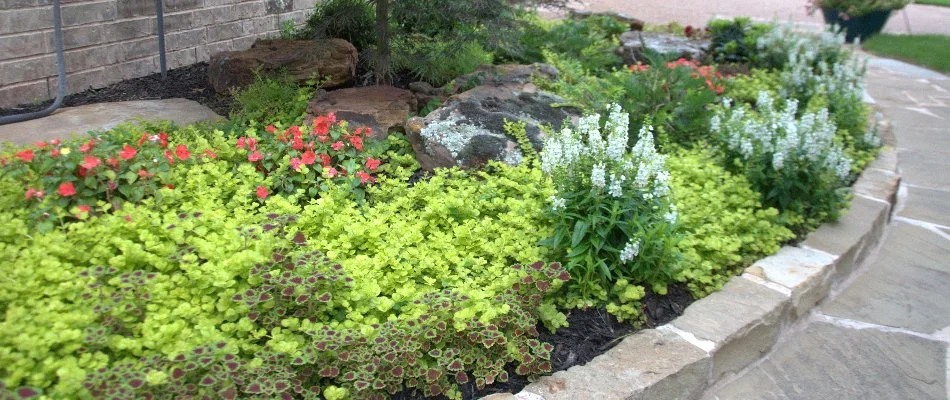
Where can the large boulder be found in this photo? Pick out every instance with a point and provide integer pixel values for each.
(468, 130)
(632, 46)
(382, 108)
(333, 60)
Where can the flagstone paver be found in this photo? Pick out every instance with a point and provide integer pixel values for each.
(885, 335)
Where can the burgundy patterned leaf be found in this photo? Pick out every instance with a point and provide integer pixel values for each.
(397, 372)
(27, 392)
(324, 298)
(330, 372)
(542, 285)
(361, 385)
(455, 365)
(207, 381)
(177, 373)
(461, 377)
(254, 388)
(432, 374)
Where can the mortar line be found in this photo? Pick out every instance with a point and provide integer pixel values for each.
(861, 325)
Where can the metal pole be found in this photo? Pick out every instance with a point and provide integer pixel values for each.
(60, 71)
(161, 36)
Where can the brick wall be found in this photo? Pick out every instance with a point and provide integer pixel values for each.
(106, 41)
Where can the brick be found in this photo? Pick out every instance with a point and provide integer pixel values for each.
(179, 21)
(80, 81)
(128, 29)
(278, 6)
(133, 69)
(204, 52)
(27, 69)
(298, 17)
(86, 13)
(226, 31)
(251, 10)
(180, 58)
(260, 25)
(82, 36)
(181, 5)
(185, 39)
(11, 4)
(18, 21)
(25, 45)
(135, 8)
(304, 4)
(215, 3)
(89, 58)
(130, 50)
(24, 93)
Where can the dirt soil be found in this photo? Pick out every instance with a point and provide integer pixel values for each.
(189, 82)
(591, 333)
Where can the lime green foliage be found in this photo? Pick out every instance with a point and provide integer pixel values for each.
(273, 99)
(746, 88)
(517, 130)
(931, 51)
(725, 227)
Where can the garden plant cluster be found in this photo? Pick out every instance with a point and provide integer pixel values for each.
(268, 258)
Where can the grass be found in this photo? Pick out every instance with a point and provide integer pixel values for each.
(931, 51)
(942, 3)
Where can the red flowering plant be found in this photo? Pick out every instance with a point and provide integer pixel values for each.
(72, 177)
(312, 156)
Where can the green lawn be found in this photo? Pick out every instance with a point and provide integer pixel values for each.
(942, 3)
(931, 51)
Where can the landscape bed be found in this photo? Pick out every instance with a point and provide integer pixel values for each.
(265, 257)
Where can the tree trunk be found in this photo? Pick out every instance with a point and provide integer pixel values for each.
(383, 50)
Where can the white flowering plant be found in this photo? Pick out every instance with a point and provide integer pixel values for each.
(613, 215)
(796, 163)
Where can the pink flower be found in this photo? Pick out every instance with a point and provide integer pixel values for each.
(182, 152)
(332, 117)
(113, 162)
(84, 208)
(364, 177)
(357, 142)
(31, 193)
(54, 152)
(240, 142)
(25, 155)
(262, 192)
(254, 157)
(331, 172)
(88, 146)
(128, 152)
(90, 162)
(67, 189)
(169, 157)
(337, 146)
(270, 129)
(372, 163)
(210, 153)
(54, 142)
(145, 174)
(295, 163)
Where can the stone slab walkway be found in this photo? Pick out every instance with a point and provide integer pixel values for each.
(103, 116)
(921, 18)
(885, 333)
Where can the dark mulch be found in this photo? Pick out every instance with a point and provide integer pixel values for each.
(591, 333)
(189, 82)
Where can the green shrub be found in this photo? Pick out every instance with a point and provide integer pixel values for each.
(351, 20)
(613, 217)
(273, 99)
(438, 61)
(724, 225)
(735, 40)
(795, 163)
(746, 88)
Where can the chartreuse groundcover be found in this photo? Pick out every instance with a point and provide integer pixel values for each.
(267, 259)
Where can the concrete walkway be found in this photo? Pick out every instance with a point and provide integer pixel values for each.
(103, 116)
(885, 333)
(913, 19)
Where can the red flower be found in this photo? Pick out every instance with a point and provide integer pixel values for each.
(31, 193)
(90, 162)
(270, 129)
(114, 162)
(84, 208)
(321, 125)
(240, 142)
(54, 152)
(25, 155)
(182, 152)
(163, 139)
(364, 177)
(357, 142)
(67, 189)
(41, 145)
(372, 163)
(295, 163)
(169, 157)
(143, 138)
(128, 152)
(145, 174)
(262, 192)
(254, 157)
(359, 131)
(81, 171)
(211, 153)
(308, 157)
(325, 160)
(298, 143)
(337, 146)
(88, 146)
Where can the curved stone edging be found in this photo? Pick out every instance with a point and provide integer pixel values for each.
(728, 330)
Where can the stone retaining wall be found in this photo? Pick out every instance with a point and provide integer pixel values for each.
(107, 41)
(720, 335)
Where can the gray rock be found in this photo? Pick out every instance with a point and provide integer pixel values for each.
(468, 130)
(741, 322)
(928, 205)
(333, 60)
(632, 46)
(854, 235)
(806, 274)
